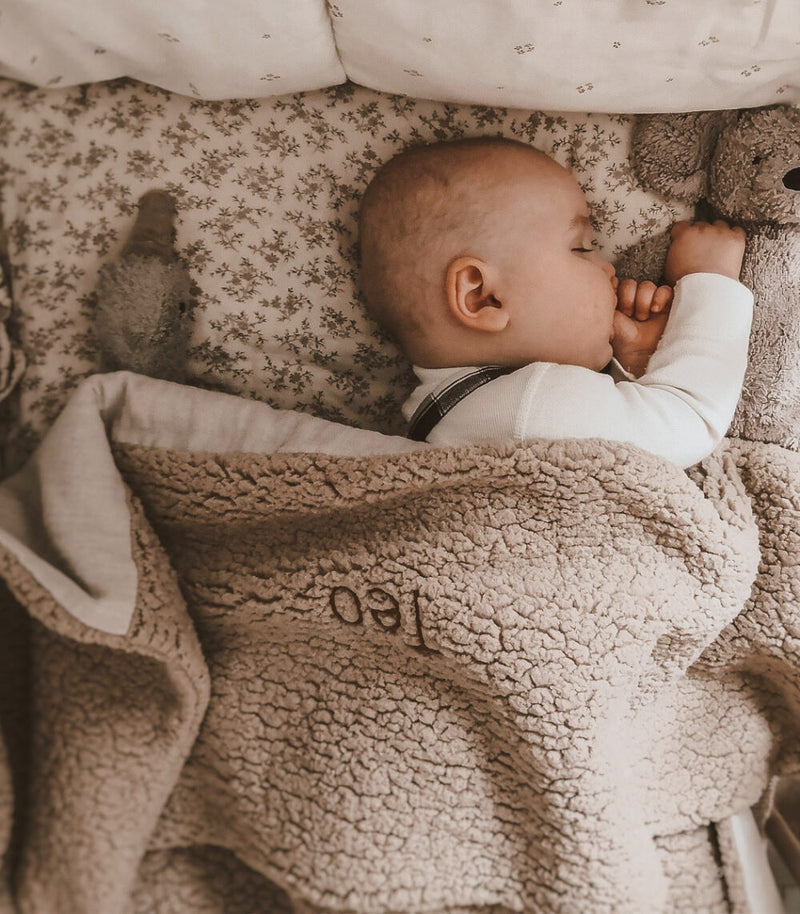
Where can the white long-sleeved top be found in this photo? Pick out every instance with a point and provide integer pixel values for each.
(679, 409)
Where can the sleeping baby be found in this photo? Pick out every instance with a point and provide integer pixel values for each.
(477, 257)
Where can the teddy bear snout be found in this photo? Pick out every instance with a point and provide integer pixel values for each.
(791, 179)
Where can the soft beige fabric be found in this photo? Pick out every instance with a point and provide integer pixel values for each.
(64, 514)
(499, 677)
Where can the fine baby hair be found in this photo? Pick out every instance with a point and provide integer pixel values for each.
(421, 205)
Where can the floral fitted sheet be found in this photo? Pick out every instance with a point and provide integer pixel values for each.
(267, 193)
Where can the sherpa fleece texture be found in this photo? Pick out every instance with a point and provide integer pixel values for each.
(497, 678)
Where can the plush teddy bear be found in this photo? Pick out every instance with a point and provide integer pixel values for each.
(742, 166)
(145, 297)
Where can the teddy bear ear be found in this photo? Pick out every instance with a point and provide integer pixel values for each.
(671, 153)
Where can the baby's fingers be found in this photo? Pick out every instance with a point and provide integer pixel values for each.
(626, 296)
(662, 299)
(640, 300)
(644, 300)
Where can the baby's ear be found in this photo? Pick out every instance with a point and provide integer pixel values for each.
(470, 295)
(671, 153)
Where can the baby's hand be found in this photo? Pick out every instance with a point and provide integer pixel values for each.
(704, 248)
(639, 321)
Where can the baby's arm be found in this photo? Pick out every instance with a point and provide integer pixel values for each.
(681, 407)
(643, 308)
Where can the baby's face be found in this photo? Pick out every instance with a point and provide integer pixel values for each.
(560, 293)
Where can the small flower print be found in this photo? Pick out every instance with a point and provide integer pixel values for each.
(267, 191)
(270, 77)
(145, 165)
(412, 72)
(585, 87)
(712, 39)
(167, 37)
(525, 48)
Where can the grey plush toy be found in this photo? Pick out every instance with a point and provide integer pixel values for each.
(743, 166)
(145, 297)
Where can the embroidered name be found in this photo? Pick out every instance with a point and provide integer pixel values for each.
(383, 609)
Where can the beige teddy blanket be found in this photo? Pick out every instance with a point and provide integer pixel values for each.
(489, 679)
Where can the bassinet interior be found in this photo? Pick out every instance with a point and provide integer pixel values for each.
(265, 121)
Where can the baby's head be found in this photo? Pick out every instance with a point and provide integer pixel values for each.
(479, 252)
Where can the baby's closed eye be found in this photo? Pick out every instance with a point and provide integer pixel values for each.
(584, 243)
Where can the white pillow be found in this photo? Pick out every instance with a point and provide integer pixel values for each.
(560, 55)
(575, 55)
(234, 49)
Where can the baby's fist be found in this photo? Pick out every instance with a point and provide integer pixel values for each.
(701, 247)
(639, 321)
(640, 300)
